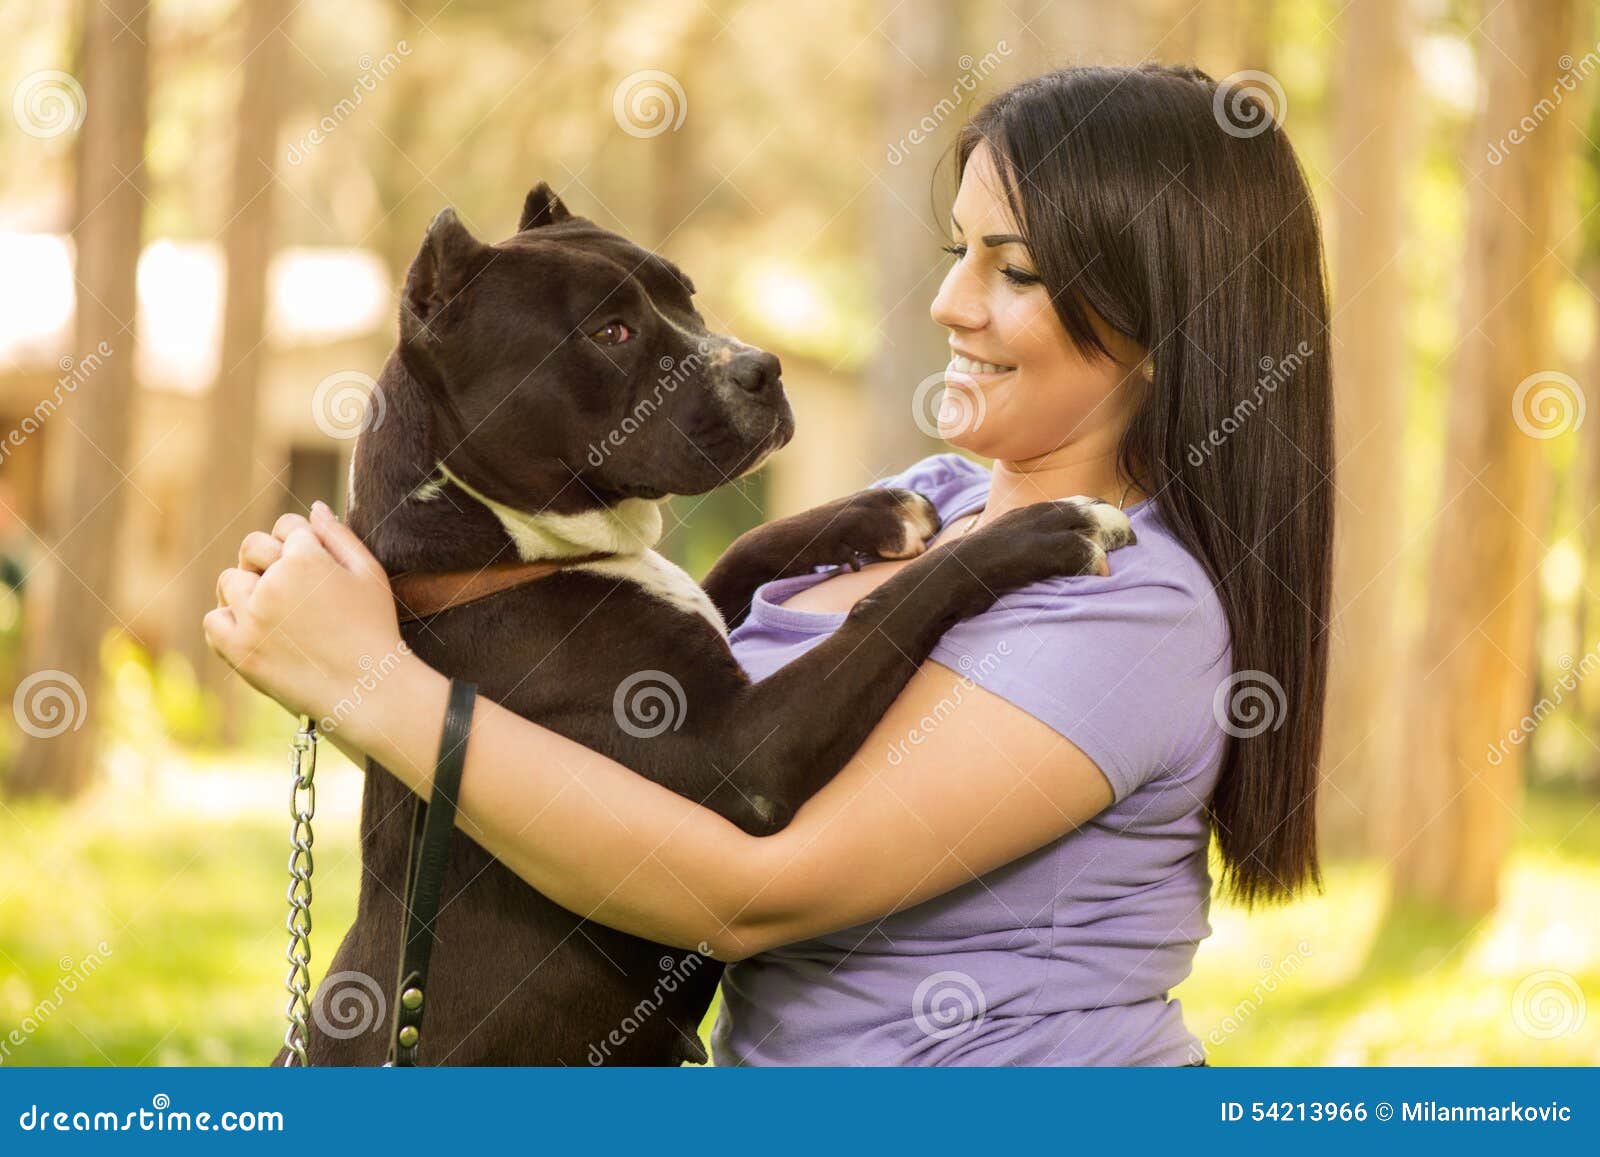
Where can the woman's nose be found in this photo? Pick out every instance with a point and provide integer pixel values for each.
(959, 302)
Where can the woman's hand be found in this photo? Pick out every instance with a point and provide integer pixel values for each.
(307, 616)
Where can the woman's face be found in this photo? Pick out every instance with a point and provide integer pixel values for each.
(1015, 388)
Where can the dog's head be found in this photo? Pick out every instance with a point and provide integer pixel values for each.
(568, 360)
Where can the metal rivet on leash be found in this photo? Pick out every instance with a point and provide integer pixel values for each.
(302, 806)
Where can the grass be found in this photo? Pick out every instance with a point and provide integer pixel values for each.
(178, 868)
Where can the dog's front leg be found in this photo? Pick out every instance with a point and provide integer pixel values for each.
(881, 524)
(789, 734)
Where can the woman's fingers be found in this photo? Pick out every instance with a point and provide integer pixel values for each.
(287, 525)
(218, 628)
(234, 587)
(342, 543)
(258, 551)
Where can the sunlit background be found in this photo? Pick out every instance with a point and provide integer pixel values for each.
(205, 208)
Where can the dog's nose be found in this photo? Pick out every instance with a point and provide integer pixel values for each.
(756, 372)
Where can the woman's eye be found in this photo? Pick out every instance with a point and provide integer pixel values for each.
(614, 333)
(1020, 276)
(956, 251)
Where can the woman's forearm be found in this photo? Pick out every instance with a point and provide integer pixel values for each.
(584, 830)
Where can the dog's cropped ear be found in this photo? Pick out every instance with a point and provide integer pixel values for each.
(542, 207)
(449, 259)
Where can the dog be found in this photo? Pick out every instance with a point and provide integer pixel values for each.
(547, 394)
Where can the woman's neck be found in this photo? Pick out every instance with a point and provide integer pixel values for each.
(1061, 473)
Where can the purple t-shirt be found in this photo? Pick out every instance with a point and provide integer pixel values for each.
(1065, 956)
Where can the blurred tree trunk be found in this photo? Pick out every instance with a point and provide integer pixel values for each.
(69, 608)
(1454, 807)
(1586, 483)
(1586, 470)
(1089, 32)
(236, 488)
(918, 72)
(675, 189)
(1369, 362)
(408, 203)
(1182, 30)
(1122, 33)
(1253, 27)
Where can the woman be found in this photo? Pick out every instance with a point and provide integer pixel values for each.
(1013, 868)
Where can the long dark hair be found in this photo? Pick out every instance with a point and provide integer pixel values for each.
(1177, 212)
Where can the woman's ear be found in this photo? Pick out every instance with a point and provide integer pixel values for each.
(449, 259)
(542, 207)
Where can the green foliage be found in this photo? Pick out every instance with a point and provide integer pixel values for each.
(180, 871)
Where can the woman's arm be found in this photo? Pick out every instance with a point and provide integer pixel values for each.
(990, 784)
(915, 813)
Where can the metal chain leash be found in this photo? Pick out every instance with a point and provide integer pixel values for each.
(302, 806)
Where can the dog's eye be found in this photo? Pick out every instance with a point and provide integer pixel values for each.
(613, 333)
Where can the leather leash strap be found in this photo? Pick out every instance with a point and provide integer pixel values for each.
(432, 825)
(418, 594)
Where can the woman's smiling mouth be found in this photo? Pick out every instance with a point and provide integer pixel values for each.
(971, 367)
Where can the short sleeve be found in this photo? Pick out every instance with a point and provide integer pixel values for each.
(938, 477)
(1126, 670)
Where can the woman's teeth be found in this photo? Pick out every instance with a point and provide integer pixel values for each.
(962, 365)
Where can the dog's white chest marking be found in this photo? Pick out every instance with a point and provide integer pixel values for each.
(664, 579)
(628, 530)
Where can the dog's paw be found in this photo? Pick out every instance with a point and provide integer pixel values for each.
(1113, 527)
(919, 522)
(1108, 528)
(1064, 537)
(881, 523)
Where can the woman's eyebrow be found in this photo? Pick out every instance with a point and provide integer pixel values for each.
(992, 239)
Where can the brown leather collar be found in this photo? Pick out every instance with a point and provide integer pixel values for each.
(418, 594)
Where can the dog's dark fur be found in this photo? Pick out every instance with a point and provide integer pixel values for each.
(498, 437)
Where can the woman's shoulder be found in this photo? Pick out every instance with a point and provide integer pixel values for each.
(1126, 666)
(1158, 599)
(1157, 560)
